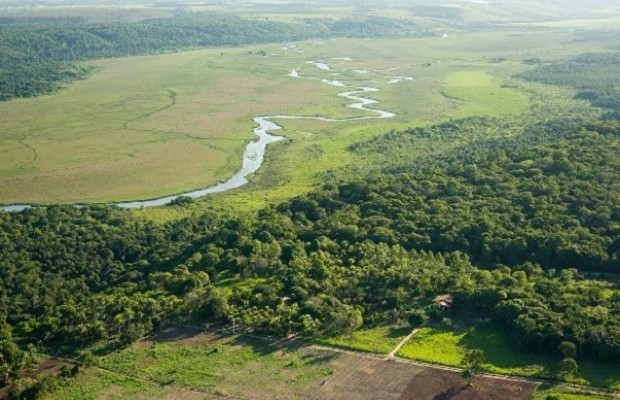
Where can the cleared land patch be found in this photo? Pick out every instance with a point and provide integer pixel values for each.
(184, 363)
(373, 340)
(477, 93)
(448, 346)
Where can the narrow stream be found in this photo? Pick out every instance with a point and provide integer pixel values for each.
(255, 150)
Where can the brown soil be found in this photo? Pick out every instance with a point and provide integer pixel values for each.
(51, 367)
(179, 333)
(362, 378)
(445, 385)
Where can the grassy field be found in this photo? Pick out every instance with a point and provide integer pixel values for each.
(149, 126)
(146, 126)
(220, 365)
(481, 95)
(96, 383)
(381, 340)
(235, 283)
(448, 346)
(564, 393)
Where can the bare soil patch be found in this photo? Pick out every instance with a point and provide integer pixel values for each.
(435, 384)
(49, 367)
(362, 378)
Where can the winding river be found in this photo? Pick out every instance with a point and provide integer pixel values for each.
(255, 150)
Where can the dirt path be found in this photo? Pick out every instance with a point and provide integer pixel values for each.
(402, 343)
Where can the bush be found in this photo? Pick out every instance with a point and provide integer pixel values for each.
(417, 318)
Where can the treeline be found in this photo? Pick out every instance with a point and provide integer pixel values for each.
(594, 75)
(38, 59)
(374, 26)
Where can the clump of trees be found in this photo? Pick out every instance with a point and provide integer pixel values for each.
(547, 196)
(14, 362)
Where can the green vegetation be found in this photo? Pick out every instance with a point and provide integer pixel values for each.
(559, 393)
(151, 126)
(28, 70)
(382, 339)
(433, 345)
(144, 127)
(237, 283)
(216, 364)
(482, 96)
(95, 383)
(204, 365)
(520, 180)
(496, 187)
(122, 137)
(471, 364)
(594, 75)
(448, 346)
(347, 255)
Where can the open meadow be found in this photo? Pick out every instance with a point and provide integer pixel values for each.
(143, 127)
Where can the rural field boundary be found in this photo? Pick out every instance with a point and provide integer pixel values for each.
(296, 341)
(585, 389)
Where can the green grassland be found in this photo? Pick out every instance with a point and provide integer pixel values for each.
(235, 283)
(203, 366)
(143, 127)
(216, 365)
(448, 346)
(480, 95)
(96, 383)
(381, 340)
(317, 147)
(561, 393)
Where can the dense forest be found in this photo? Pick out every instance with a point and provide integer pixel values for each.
(508, 228)
(548, 195)
(38, 59)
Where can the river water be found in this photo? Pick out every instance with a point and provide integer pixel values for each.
(255, 150)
